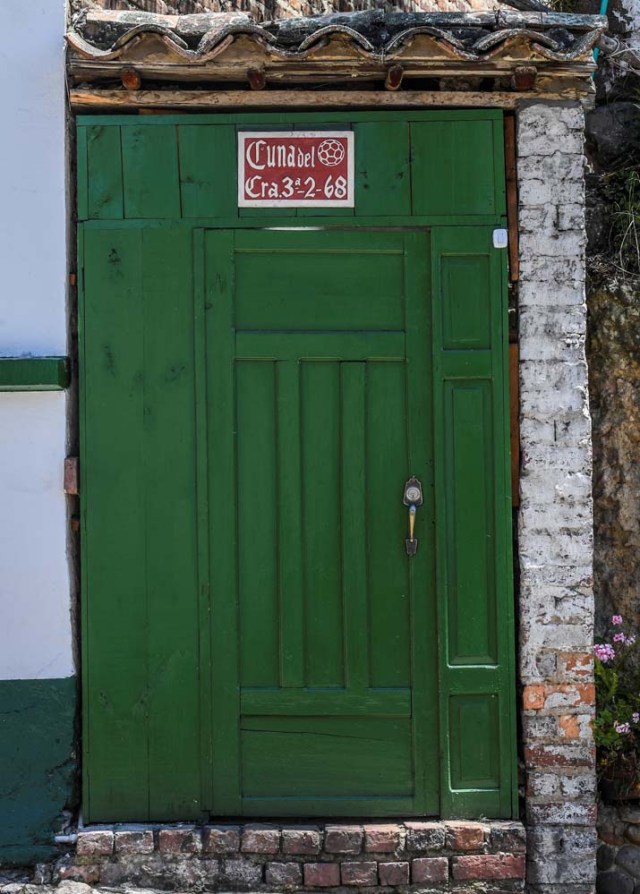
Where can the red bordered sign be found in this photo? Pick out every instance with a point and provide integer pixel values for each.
(301, 169)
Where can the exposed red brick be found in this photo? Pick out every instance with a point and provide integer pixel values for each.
(429, 869)
(488, 866)
(284, 875)
(533, 697)
(575, 664)
(343, 839)
(321, 875)
(95, 844)
(179, 841)
(134, 842)
(260, 839)
(464, 836)
(538, 756)
(394, 873)
(301, 841)
(382, 838)
(221, 839)
(361, 873)
(569, 695)
(569, 726)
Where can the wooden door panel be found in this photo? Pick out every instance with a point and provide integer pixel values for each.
(324, 617)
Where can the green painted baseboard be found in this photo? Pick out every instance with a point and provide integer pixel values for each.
(37, 765)
(34, 373)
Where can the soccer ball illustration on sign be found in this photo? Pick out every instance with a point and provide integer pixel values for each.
(331, 153)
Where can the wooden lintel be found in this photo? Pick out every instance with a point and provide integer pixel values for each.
(83, 99)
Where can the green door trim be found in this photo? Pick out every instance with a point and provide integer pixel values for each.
(34, 373)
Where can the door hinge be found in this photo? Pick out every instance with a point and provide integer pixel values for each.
(71, 478)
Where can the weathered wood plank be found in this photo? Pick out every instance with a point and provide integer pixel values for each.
(89, 99)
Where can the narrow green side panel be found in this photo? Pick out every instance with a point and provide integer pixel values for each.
(140, 600)
(37, 766)
(473, 522)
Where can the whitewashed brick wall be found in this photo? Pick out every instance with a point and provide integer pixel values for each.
(555, 524)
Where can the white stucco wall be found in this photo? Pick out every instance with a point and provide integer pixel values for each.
(35, 631)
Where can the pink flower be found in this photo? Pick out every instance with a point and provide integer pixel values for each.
(622, 728)
(616, 619)
(604, 652)
(619, 638)
(635, 717)
(631, 640)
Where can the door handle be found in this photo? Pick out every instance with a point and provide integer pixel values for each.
(412, 498)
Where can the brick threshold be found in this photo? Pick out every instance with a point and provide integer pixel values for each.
(409, 856)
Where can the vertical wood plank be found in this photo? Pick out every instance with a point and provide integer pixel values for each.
(257, 532)
(321, 524)
(221, 407)
(354, 525)
(387, 567)
(202, 510)
(383, 168)
(104, 172)
(208, 175)
(115, 596)
(171, 554)
(150, 171)
(426, 685)
(82, 178)
(289, 525)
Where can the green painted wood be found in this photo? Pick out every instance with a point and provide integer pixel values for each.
(426, 692)
(225, 530)
(34, 373)
(105, 197)
(140, 545)
(369, 345)
(314, 702)
(307, 358)
(151, 172)
(289, 503)
(258, 585)
(321, 557)
(279, 752)
(456, 173)
(173, 168)
(205, 153)
(383, 167)
(354, 524)
(304, 442)
(472, 495)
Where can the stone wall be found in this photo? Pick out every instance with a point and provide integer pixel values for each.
(555, 536)
(451, 858)
(619, 849)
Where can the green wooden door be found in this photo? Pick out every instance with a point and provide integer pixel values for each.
(254, 638)
(324, 631)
